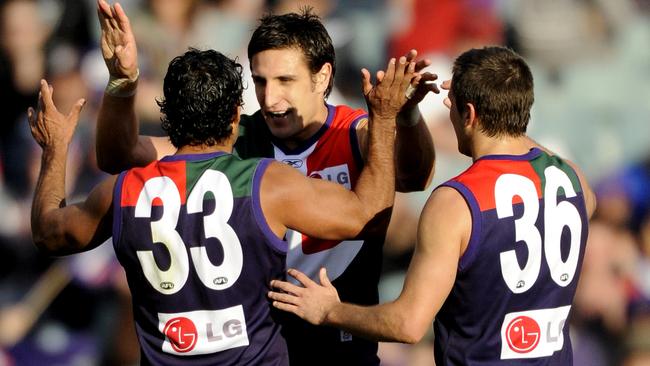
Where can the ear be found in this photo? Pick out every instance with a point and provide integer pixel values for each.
(235, 122)
(322, 78)
(470, 116)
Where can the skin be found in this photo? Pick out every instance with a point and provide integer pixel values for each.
(59, 229)
(283, 83)
(443, 234)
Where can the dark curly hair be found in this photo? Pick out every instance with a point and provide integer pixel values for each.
(499, 84)
(202, 91)
(302, 31)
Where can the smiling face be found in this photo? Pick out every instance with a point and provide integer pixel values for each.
(292, 99)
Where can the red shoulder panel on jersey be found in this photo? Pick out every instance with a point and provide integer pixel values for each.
(135, 179)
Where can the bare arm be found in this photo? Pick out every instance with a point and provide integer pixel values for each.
(326, 210)
(118, 145)
(443, 233)
(414, 150)
(57, 228)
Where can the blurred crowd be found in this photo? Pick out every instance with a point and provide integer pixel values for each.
(590, 60)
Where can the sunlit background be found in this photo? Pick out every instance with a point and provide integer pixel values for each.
(591, 63)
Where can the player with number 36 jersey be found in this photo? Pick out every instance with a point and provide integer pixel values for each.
(529, 228)
(499, 248)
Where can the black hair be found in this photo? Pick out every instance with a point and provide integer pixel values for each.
(499, 84)
(202, 91)
(303, 31)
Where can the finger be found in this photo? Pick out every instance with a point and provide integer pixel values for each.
(446, 85)
(380, 76)
(411, 55)
(410, 77)
(400, 71)
(76, 109)
(31, 117)
(122, 18)
(366, 85)
(324, 280)
(422, 64)
(286, 307)
(286, 287)
(389, 75)
(283, 297)
(301, 277)
(46, 92)
(103, 9)
(113, 18)
(447, 102)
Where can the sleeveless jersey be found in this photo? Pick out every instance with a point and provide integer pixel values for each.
(199, 255)
(353, 266)
(517, 278)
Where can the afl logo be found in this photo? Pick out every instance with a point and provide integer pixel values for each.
(220, 281)
(295, 163)
(181, 333)
(523, 334)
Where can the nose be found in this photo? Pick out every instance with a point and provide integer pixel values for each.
(272, 95)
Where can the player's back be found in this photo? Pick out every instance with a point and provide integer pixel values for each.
(198, 254)
(517, 278)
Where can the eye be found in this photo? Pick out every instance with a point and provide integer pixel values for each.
(258, 81)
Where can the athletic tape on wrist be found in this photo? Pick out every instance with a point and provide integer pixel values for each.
(122, 87)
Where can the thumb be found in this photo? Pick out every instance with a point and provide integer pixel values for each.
(366, 86)
(76, 109)
(324, 280)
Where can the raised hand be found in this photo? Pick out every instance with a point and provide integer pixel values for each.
(311, 302)
(117, 41)
(49, 127)
(422, 83)
(388, 96)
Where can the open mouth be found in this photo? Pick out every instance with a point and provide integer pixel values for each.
(284, 114)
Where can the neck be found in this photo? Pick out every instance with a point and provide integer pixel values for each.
(203, 149)
(505, 145)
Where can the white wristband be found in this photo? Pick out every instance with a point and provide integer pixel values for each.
(408, 118)
(122, 87)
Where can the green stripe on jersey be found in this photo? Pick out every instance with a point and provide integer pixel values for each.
(239, 172)
(545, 160)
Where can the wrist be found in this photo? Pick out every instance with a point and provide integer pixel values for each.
(122, 87)
(409, 117)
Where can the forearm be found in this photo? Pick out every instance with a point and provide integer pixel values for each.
(117, 133)
(414, 152)
(383, 323)
(49, 196)
(376, 185)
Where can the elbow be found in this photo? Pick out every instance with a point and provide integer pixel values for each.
(411, 333)
(415, 182)
(44, 245)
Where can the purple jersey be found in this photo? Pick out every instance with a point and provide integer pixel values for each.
(199, 255)
(516, 281)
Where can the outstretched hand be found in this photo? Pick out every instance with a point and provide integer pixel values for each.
(312, 302)
(388, 96)
(117, 41)
(422, 83)
(50, 127)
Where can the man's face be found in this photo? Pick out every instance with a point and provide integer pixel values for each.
(289, 97)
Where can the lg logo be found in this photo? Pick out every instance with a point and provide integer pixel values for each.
(523, 334)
